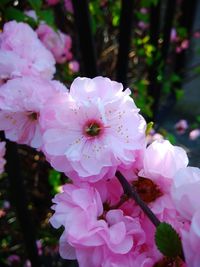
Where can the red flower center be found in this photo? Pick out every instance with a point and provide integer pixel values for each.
(33, 116)
(93, 128)
(169, 262)
(147, 189)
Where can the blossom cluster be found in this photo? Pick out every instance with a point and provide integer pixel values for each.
(89, 132)
(57, 42)
(67, 3)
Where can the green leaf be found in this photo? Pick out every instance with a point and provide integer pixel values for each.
(179, 93)
(35, 4)
(12, 13)
(142, 17)
(47, 16)
(171, 138)
(197, 70)
(154, 2)
(115, 20)
(4, 2)
(175, 78)
(149, 127)
(198, 118)
(168, 241)
(54, 180)
(182, 32)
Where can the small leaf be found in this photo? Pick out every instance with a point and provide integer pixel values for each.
(182, 32)
(168, 241)
(179, 94)
(12, 13)
(54, 180)
(198, 118)
(35, 4)
(149, 127)
(4, 2)
(47, 16)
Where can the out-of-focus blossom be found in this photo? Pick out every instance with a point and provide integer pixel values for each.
(74, 66)
(69, 6)
(52, 2)
(6, 204)
(196, 34)
(178, 49)
(185, 44)
(21, 101)
(2, 213)
(143, 25)
(24, 55)
(144, 10)
(27, 263)
(153, 136)
(173, 35)
(103, 3)
(13, 259)
(32, 14)
(57, 42)
(194, 134)
(181, 126)
(39, 247)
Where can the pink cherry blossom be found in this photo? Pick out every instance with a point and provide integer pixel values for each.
(21, 101)
(185, 44)
(178, 49)
(95, 257)
(153, 184)
(2, 154)
(191, 242)
(173, 35)
(31, 13)
(27, 263)
(52, 2)
(143, 25)
(96, 237)
(196, 34)
(74, 66)
(69, 6)
(162, 159)
(185, 191)
(153, 136)
(57, 42)
(194, 134)
(20, 43)
(110, 190)
(144, 10)
(12, 66)
(87, 227)
(97, 129)
(181, 126)
(6, 204)
(13, 259)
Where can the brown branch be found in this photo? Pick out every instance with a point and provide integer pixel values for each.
(131, 192)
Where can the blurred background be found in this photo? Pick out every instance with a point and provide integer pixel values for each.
(151, 46)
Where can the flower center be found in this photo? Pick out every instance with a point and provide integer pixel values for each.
(93, 128)
(33, 116)
(147, 190)
(169, 262)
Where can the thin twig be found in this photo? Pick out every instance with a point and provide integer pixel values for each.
(131, 192)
